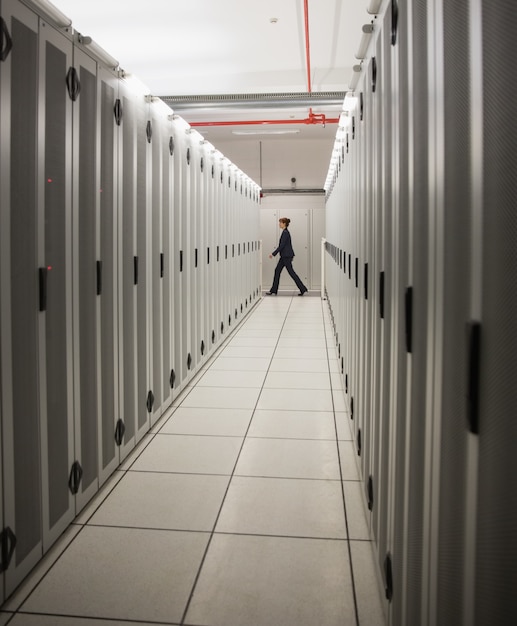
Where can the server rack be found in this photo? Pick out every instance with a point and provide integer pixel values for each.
(103, 312)
(422, 194)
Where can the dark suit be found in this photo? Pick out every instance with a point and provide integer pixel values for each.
(285, 249)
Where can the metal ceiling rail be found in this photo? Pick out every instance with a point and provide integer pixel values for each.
(254, 100)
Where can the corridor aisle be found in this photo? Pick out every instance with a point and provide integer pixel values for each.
(241, 508)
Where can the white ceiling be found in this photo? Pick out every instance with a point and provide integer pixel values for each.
(201, 47)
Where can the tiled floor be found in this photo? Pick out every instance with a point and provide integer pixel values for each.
(241, 508)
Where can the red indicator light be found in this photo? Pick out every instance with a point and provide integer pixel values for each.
(49, 267)
(49, 180)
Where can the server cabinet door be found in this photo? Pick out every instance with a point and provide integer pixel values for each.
(107, 277)
(180, 253)
(132, 367)
(160, 319)
(21, 451)
(496, 519)
(85, 220)
(143, 137)
(55, 215)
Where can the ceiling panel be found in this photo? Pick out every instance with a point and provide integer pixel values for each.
(214, 47)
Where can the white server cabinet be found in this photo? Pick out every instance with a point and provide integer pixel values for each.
(36, 278)
(159, 220)
(107, 272)
(54, 244)
(132, 423)
(21, 453)
(494, 597)
(84, 241)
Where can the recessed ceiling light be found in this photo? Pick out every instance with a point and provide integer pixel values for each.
(273, 20)
(291, 131)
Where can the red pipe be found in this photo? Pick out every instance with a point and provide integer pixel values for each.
(307, 47)
(314, 118)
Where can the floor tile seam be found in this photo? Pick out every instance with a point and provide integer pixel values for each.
(315, 478)
(223, 533)
(151, 529)
(200, 568)
(288, 478)
(108, 620)
(269, 437)
(352, 578)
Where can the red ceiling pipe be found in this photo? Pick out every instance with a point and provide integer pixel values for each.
(307, 46)
(314, 118)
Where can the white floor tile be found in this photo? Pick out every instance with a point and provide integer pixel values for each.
(297, 380)
(343, 426)
(348, 453)
(232, 378)
(284, 507)
(248, 352)
(372, 608)
(296, 399)
(208, 421)
(243, 364)
(253, 342)
(288, 458)
(222, 398)
(189, 454)
(293, 425)
(262, 581)
(122, 573)
(163, 501)
(282, 364)
(358, 515)
(301, 342)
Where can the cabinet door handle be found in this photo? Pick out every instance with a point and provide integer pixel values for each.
(73, 84)
(117, 110)
(43, 272)
(99, 278)
(6, 43)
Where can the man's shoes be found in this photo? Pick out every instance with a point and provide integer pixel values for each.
(270, 293)
(302, 292)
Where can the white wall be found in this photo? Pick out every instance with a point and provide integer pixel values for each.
(273, 161)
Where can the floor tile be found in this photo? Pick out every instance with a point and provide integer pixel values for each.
(31, 581)
(208, 421)
(232, 378)
(122, 573)
(301, 342)
(257, 333)
(347, 454)
(296, 399)
(297, 380)
(288, 458)
(222, 398)
(242, 364)
(357, 514)
(269, 580)
(282, 364)
(163, 501)
(284, 507)
(253, 342)
(372, 609)
(247, 352)
(293, 425)
(189, 454)
(339, 400)
(343, 426)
